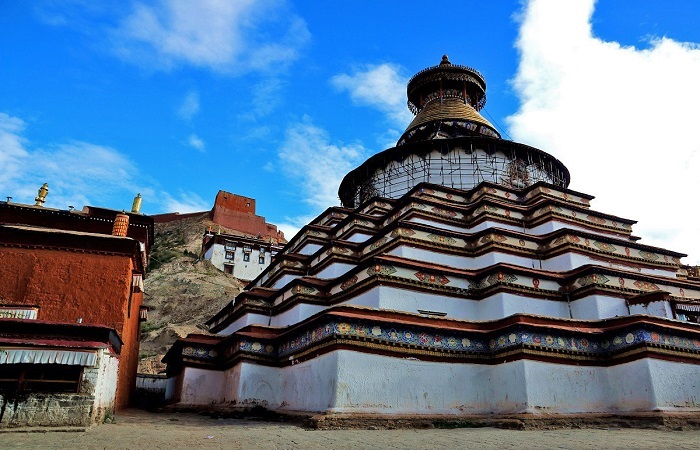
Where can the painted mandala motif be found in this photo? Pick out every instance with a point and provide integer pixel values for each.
(559, 240)
(648, 255)
(604, 246)
(378, 243)
(501, 277)
(379, 269)
(443, 212)
(290, 263)
(439, 239)
(303, 290)
(432, 278)
(645, 286)
(402, 232)
(595, 219)
(550, 208)
(479, 284)
(592, 279)
(349, 282)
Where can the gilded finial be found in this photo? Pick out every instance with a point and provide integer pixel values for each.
(445, 61)
(41, 197)
(136, 206)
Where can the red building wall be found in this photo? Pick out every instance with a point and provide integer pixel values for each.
(238, 213)
(67, 286)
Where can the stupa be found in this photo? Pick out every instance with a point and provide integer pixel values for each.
(461, 278)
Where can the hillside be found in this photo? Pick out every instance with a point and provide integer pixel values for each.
(182, 291)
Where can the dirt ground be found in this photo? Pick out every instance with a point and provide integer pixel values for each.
(136, 429)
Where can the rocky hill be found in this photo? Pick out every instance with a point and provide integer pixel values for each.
(182, 291)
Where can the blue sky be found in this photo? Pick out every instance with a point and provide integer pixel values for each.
(277, 100)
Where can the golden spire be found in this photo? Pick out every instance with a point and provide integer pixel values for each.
(41, 197)
(136, 206)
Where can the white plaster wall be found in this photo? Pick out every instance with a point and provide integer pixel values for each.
(334, 270)
(553, 225)
(409, 386)
(308, 249)
(296, 314)
(358, 237)
(558, 388)
(242, 321)
(283, 280)
(676, 385)
(349, 381)
(494, 307)
(307, 386)
(440, 225)
(100, 381)
(201, 387)
(215, 255)
(458, 261)
(594, 307)
(248, 270)
(485, 225)
(171, 388)
(658, 309)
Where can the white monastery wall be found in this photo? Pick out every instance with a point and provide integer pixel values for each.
(334, 270)
(659, 308)
(308, 249)
(358, 237)
(201, 386)
(459, 261)
(247, 319)
(296, 314)
(104, 379)
(593, 307)
(335, 382)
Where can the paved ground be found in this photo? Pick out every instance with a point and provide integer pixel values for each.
(137, 429)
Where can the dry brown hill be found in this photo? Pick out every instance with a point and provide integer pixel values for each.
(182, 291)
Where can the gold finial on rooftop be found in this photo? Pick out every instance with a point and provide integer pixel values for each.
(41, 197)
(136, 206)
(445, 61)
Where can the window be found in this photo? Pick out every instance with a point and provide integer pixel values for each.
(230, 245)
(229, 255)
(40, 378)
(688, 313)
(228, 268)
(688, 316)
(246, 257)
(261, 259)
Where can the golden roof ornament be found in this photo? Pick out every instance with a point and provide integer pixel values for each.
(40, 199)
(136, 206)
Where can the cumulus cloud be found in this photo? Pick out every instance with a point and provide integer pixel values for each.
(189, 106)
(196, 142)
(79, 173)
(223, 35)
(382, 87)
(621, 118)
(316, 164)
(186, 202)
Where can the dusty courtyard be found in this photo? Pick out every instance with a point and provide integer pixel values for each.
(137, 429)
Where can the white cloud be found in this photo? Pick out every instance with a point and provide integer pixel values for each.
(316, 164)
(196, 142)
(186, 203)
(223, 35)
(382, 87)
(621, 118)
(78, 173)
(190, 106)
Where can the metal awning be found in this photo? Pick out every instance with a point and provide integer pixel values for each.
(47, 356)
